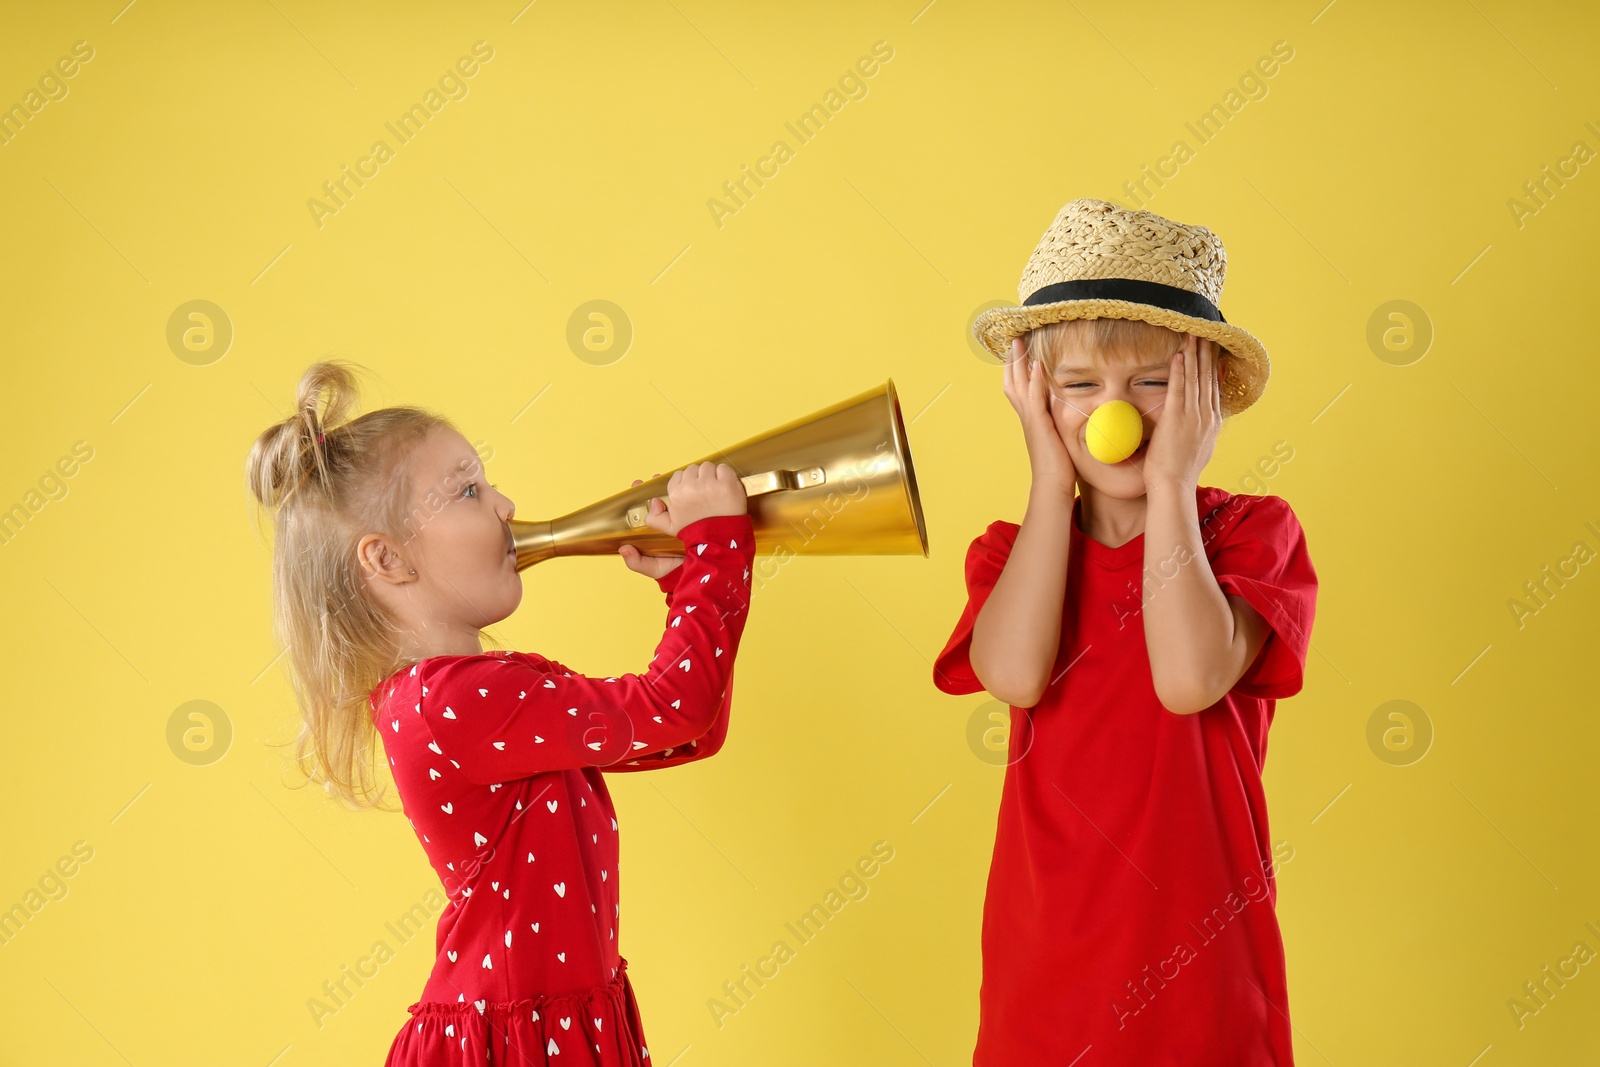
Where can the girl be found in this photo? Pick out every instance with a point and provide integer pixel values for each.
(391, 554)
(1142, 632)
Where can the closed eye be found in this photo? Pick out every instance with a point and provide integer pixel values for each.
(1146, 381)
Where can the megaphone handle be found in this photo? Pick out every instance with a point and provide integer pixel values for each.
(770, 481)
(754, 485)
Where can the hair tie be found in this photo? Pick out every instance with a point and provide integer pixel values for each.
(319, 438)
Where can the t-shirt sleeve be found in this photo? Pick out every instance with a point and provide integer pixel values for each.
(986, 558)
(1263, 559)
(501, 717)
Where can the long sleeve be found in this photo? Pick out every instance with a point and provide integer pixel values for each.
(504, 716)
(708, 744)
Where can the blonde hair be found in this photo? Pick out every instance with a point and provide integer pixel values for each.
(1104, 340)
(1101, 340)
(329, 482)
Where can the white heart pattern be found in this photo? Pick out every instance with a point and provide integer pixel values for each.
(560, 888)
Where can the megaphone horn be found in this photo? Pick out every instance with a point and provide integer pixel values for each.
(838, 482)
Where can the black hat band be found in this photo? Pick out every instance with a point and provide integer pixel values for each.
(1156, 294)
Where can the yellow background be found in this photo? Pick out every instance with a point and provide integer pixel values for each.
(1377, 167)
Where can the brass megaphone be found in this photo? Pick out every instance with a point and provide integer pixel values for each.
(837, 482)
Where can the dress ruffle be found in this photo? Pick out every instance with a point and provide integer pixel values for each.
(598, 1027)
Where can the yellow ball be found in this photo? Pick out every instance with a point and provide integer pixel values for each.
(1114, 431)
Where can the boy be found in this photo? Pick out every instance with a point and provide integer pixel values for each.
(1142, 632)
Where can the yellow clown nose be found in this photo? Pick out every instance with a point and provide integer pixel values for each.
(1114, 431)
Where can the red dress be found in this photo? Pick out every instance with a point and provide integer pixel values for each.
(497, 759)
(1129, 915)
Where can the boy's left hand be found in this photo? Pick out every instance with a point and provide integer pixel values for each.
(655, 566)
(1186, 433)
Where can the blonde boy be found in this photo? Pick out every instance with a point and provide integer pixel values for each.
(1142, 627)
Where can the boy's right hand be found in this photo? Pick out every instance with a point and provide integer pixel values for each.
(699, 491)
(1029, 394)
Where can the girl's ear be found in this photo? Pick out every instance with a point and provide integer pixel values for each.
(378, 560)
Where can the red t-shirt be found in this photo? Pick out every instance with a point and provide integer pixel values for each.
(1129, 916)
(497, 759)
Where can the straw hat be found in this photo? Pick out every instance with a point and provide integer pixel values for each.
(1099, 260)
